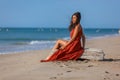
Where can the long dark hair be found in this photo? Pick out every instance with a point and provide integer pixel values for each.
(72, 25)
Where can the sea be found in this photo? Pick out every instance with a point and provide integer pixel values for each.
(14, 40)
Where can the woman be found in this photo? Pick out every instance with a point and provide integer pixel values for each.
(71, 49)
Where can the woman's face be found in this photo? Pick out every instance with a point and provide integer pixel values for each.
(74, 19)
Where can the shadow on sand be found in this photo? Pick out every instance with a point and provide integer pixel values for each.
(110, 60)
(105, 60)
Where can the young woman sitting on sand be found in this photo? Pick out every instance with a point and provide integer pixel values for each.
(71, 49)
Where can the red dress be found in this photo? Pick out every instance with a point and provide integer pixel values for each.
(72, 51)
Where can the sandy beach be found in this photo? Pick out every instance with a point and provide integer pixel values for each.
(27, 65)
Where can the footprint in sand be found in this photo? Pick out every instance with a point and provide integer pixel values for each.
(53, 77)
(59, 74)
(90, 65)
(69, 71)
(117, 74)
(109, 75)
(107, 78)
(107, 72)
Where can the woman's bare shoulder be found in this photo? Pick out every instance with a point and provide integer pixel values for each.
(79, 27)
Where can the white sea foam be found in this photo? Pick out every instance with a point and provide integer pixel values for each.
(119, 31)
(41, 42)
(66, 38)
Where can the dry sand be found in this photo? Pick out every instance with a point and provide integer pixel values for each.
(26, 65)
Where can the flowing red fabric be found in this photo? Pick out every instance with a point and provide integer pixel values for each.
(73, 51)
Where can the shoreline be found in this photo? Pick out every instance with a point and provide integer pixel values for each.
(27, 65)
(90, 39)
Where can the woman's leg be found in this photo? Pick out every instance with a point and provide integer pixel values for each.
(57, 46)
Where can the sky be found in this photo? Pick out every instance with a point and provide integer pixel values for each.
(57, 13)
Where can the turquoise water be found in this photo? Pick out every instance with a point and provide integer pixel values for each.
(25, 39)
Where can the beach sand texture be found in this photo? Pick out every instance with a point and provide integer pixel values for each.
(27, 65)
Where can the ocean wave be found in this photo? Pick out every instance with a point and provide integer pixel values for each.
(32, 42)
(66, 38)
(41, 42)
(16, 47)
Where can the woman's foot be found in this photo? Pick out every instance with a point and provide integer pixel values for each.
(43, 60)
(51, 53)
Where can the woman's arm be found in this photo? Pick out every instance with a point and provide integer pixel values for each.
(76, 30)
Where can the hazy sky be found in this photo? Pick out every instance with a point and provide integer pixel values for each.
(57, 13)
